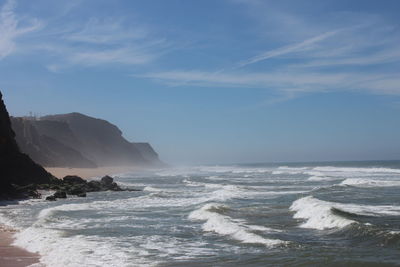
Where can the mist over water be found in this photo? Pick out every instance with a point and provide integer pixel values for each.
(231, 215)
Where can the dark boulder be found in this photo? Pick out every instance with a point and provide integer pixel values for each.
(60, 194)
(106, 181)
(94, 186)
(51, 198)
(73, 179)
(114, 187)
(76, 190)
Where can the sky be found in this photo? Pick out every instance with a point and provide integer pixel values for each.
(214, 81)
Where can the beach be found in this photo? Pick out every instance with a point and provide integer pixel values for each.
(12, 256)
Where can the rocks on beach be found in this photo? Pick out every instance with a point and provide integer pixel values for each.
(76, 186)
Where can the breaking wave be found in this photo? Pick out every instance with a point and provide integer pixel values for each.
(321, 214)
(226, 226)
(358, 182)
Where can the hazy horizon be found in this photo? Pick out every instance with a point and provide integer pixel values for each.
(214, 82)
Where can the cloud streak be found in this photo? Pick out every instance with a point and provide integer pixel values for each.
(65, 43)
(302, 46)
(103, 42)
(362, 58)
(10, 29)
(287, 82)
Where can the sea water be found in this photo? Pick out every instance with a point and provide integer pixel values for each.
(311, 214)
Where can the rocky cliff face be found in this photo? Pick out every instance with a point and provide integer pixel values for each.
(36, 138)
(77, 140)
(15, 167)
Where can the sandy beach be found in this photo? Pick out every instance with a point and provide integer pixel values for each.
(90, 172)
(12, 256)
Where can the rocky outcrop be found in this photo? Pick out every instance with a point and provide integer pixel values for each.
(76, 186)
(16, 168)
(77, 140)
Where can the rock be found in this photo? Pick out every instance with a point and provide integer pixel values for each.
(93, 186)
(81, 195)
(55, 187)
(34, 194)
(76, 190)
(106, 181)
(51, 198)
(115, 187)
(132, 189)
(60, 194)
(73, 179)
(43, 186)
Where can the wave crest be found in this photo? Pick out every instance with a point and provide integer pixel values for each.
(226, 226)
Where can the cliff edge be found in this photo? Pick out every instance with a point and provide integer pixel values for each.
(80, 141)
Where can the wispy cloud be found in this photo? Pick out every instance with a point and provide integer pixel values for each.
(66, 43)
(108, 31)
(126, 55)
(302, 46)
(10, 29)
(287, 82)
(353, 57)
(102, 42)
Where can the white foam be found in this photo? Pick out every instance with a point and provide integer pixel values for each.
(290, 170)
(152, 189)
(314, 173)
(286, 172)
(359, 182)
(226, 192)
(359, 170)
(319, 215)
(293, 168)
(59, 250)
(321, 178)
(188, 182)
(224, 225)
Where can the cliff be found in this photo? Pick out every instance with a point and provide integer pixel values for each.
(77, 140)
(147, 151)
(15, 167)
(36, 138)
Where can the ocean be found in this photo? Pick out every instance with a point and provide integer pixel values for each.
(286, 214)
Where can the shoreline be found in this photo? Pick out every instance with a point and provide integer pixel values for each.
(87, 173)
(14, 256)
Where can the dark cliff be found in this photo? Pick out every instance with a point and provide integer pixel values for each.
(15, 167)
(77, 140)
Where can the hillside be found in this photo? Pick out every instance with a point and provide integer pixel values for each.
(77, 140)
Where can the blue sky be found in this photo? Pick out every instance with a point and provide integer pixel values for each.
(214, 81)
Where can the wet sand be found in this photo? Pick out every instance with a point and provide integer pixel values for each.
(12, 256)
